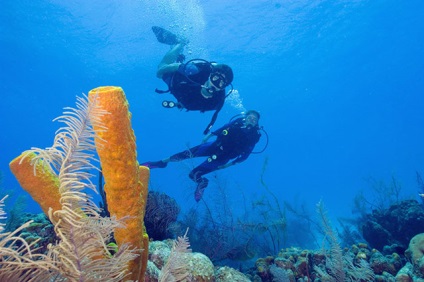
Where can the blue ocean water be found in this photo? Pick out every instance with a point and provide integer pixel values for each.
(339, 85)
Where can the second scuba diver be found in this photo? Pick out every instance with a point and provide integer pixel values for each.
(234, 143)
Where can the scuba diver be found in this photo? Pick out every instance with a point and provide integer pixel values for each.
(198, 85)
(234, 143)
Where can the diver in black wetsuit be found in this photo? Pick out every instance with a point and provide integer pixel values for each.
(198, 85)
(234, 143)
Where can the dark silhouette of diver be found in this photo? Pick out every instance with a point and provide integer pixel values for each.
(198, 85)
(234, 143)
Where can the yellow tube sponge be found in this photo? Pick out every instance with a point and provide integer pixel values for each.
(126, 183)
(43, 186)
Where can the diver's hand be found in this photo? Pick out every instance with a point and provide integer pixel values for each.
(208, 129)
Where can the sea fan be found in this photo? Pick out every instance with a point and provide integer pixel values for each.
(18, 262)
(175, 268)
(335, 259)
(339, 266)
(2, 213)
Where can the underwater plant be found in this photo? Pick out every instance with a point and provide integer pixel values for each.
(339, 266)
(18, 262)
(383, 196)
(176, 269)
(277, 232)
(420, 184)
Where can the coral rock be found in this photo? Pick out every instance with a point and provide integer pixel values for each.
(224, 274)
(200, 267)
(158, 253)
(405, 274)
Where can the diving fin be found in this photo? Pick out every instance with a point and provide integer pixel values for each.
(164, 36)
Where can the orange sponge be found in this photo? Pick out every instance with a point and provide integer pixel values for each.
(126, 183)
(43, 186)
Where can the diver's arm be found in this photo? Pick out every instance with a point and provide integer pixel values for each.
(214, 117)
(243, 156)
(240, 159)
(218, 131)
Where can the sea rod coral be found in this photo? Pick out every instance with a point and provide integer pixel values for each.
(82, 253)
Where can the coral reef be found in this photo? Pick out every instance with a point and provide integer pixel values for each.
(40, 231)
(359, 262)
(224, 274)
(302, 265)
(197, 266)
(394, 226)
(415, 254)
(290, 264)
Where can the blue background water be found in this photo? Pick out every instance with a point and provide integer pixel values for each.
(339, 85)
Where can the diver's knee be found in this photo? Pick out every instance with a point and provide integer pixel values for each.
(165, 67)
(195, 176)
(161, 70)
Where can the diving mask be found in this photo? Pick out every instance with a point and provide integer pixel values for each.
(218, 80)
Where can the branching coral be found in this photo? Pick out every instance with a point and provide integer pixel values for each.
(82, 253)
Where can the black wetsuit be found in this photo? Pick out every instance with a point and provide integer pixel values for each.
(186, 85)
(234, 141)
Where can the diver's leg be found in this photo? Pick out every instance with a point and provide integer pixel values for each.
(197, 175)
(201, 150)
(206, 167)
(197, 151)
(202, 182)
(168, 63)
(156, 164)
